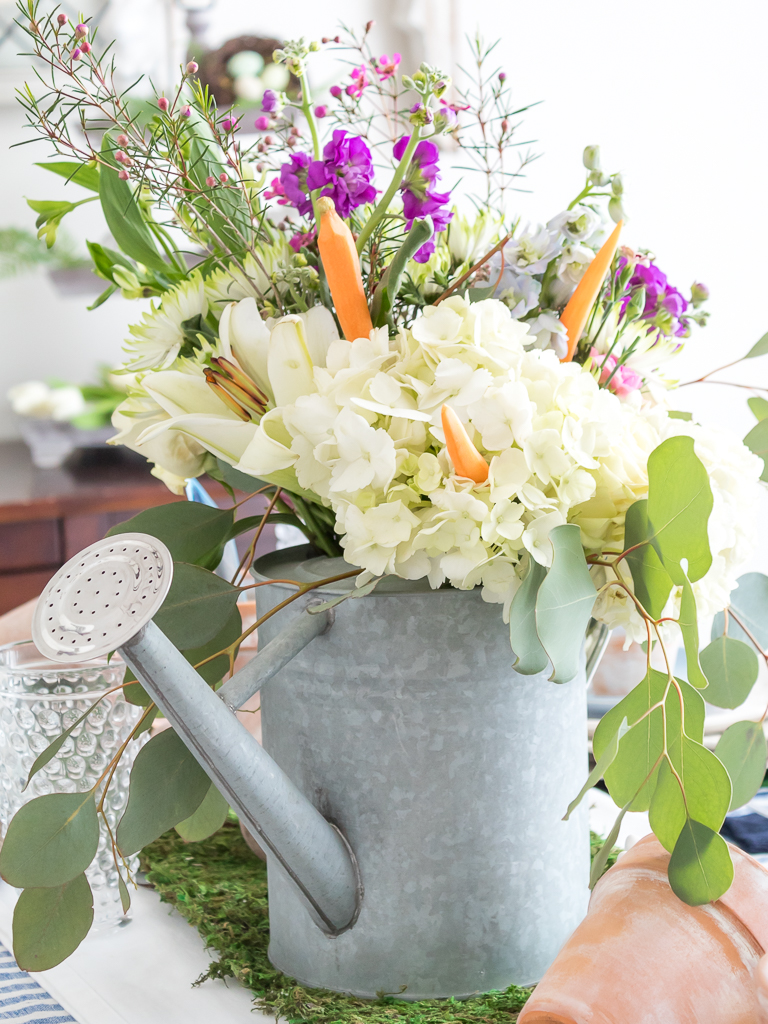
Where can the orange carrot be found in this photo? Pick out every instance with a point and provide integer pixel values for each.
(342, 269)
(580, 304)
(466, 459)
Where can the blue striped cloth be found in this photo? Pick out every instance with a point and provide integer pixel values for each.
(23, 1000)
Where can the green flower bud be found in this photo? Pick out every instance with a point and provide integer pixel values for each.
(408, 82)
(299, 260)
(616, 210)
(591, 158)
(419, 78)
(314, 47)
(617, 185)
(699, 294)
(636, 305)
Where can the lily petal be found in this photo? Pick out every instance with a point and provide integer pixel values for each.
(289, 363)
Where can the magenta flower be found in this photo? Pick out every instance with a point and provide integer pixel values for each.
(359, 78)
(387, 66)
(293, 178)
(261, 124)
(276, 191)
(665, 306)
(335, 91)
(321, 111)
(419, 197)
(345, 173)
(299, 240)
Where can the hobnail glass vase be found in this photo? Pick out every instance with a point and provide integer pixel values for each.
(39, 699)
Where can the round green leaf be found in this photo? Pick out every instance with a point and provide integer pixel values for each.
(743, 751)
(758, 407)
(50, 840)
(167, 786)
(49, 924)
(189, 529)
(749, 601)
(531, 657)
(731, 669)
(564, 603)
(652, 583)
(757, 442)
(707, 792)
(214, 671)
(700, 868)
(197, 607)
(207, 819)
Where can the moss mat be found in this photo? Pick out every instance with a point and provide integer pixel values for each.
(221, 888)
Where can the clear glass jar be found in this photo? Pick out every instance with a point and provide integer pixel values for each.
(39, 699)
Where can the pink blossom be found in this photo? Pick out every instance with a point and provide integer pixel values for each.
(622, 381)
(227, 124)
(192, 67)
(81, 30)
(163, 103)
(77, 53)
(335, 91)
(210, 181)
(123, 175)
(387, 66)
(85, 46)
(62, 19)
(122, 140)
(261, 124)
(185, 111)
(223, 178)
(359, 78)
(300, 240)
(276, 191)
(321, 111)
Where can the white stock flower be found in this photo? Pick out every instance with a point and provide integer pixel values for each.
(549, 332)
(520, 292)
(577, 224)
(529, 251)
(573, 261)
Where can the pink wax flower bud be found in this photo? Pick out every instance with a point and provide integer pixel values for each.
(369, 25)
(185, 111)
(261, 124)
(81, 30)
(337, 39)
(122, 140)
(85, 46)
(502, 76)
(77, 53)
(268, 140)
(120, 156)
(62, 19)
(505, 125)
(321, 111)
(335, 91)
(210, 181)
(227, 124)
(123, 175)
(260, 167)
(192, 68)
(223, 178)
(163, 103)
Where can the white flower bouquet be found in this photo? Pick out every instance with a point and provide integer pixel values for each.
(457, 397)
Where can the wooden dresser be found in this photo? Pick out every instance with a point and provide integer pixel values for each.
(48, 515)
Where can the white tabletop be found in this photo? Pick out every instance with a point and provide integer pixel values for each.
(141, 972)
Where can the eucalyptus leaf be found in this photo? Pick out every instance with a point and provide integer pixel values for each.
(758, 407)
(632, 775)
(652, 582)
(367, 588)
(213, 671)
(49, 924)
(480, 294)
(207, 819)
(189, 529)
(123, 213)
(55, 746)
(760, 348)
(679, 505)
(240, 481)
(688, 621)
(564, 603)
(125, 896)
(731, 668)
(526, 646)
(253, 522)
(700, 868)
(167, 786)
(50, 840)
(707, 793)
(601, 859)
(743, 751)
(197, 606)
(86, 175)
(604, 762)
(679, 414)
(749, 601)
(757, 442)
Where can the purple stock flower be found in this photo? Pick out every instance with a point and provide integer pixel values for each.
(419, 198)
(665, 306)
(293, 178)
(269, 101)
(345, 173)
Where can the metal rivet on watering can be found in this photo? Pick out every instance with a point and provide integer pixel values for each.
(103, 600)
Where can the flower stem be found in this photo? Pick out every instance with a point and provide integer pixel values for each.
(306, 106)
(389, 195)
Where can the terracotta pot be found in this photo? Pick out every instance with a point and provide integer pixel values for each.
(642, 956)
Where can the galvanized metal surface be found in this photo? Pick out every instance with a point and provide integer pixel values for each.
(449, 775)
(274, 656)
(309, 850)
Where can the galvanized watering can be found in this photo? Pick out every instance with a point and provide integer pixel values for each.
(411, 786)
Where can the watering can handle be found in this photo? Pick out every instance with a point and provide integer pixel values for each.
(73, 621)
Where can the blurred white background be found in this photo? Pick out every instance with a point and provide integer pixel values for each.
(674, 93)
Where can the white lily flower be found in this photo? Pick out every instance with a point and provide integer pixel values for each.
(289, 363)
(223, 437)
(269, 448)
(245, 336)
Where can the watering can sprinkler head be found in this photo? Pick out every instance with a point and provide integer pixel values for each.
(104, 600)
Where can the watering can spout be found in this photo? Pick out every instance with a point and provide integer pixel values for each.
(311, 850)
